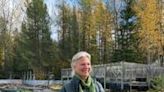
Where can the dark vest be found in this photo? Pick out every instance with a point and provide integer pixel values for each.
(73, 86)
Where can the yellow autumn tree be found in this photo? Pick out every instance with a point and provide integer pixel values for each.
(151, 38)
(104, 30)
(87, 28)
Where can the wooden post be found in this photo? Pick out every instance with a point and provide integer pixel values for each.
(122, 75)
(105, 69)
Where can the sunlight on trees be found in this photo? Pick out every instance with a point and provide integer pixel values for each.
(149, 32)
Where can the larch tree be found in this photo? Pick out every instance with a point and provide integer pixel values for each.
(103, 19)
(87, 28)
(149, 33)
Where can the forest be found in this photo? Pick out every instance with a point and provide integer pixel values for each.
(110, 30)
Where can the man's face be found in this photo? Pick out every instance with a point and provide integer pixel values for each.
(83, 67)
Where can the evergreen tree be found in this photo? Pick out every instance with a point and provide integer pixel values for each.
(125, 38)
(36, 46)
(22, 62)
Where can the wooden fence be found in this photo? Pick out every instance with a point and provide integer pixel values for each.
(122, 72)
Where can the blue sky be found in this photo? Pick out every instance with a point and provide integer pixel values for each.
(53, 11)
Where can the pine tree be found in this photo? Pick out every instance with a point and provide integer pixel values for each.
(36, 47)
(126, 50)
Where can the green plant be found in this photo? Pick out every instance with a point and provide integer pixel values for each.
(157, 84)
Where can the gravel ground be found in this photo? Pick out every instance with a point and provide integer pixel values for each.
(24, 88)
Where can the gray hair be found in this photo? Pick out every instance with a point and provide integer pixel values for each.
(78, 56)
